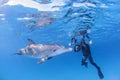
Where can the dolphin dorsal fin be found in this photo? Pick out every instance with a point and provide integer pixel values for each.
(31, 41)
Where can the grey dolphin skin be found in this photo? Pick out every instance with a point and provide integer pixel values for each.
(42, 51)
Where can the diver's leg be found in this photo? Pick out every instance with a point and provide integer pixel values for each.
(84, 62)
(86, 53)
(97, 67)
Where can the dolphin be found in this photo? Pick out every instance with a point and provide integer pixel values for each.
(42, 51)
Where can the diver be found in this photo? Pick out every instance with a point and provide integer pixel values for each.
(85, 48)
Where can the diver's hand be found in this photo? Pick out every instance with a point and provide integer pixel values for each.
(90, 42)
(69, 44)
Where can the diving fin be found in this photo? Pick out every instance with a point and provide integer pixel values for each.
(100, 74)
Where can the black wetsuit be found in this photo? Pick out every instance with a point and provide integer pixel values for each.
(87, 55)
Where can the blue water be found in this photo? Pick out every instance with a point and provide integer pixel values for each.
(105, 48)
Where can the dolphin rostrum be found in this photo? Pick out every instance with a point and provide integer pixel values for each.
(42, 51)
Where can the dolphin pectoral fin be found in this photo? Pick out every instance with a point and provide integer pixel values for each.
(42, 60)
(31, 41)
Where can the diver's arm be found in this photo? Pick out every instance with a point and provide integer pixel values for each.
(73, 41)
(88, 37)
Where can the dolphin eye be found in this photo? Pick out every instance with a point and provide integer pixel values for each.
(54, 50)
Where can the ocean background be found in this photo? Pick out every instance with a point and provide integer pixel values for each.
(105, 49)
